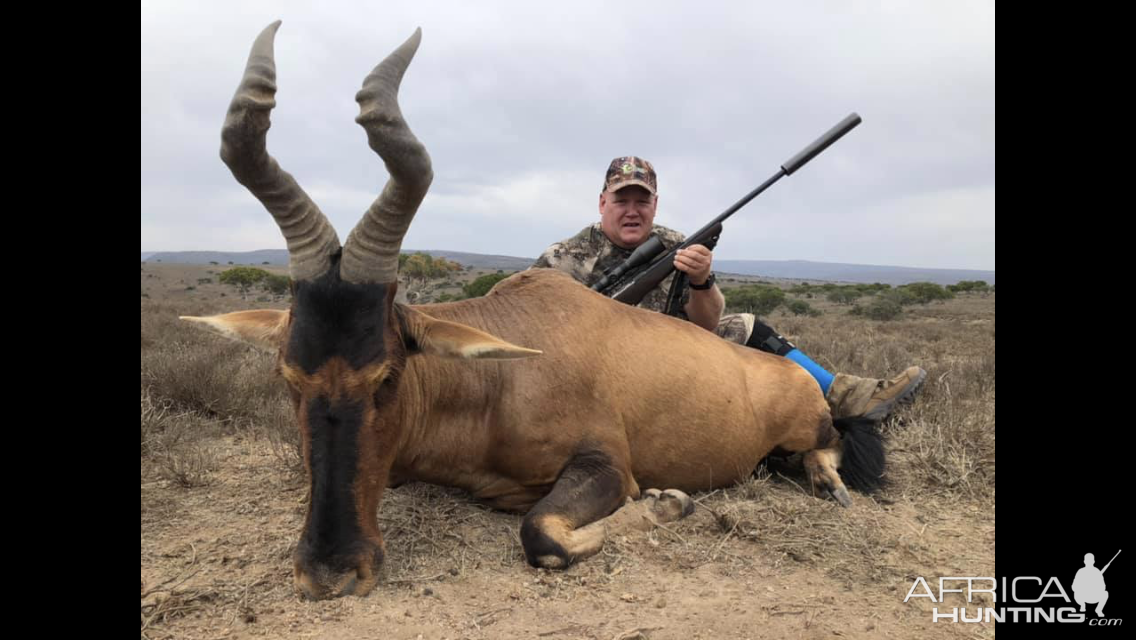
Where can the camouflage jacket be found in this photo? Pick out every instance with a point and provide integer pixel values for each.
(589, 254)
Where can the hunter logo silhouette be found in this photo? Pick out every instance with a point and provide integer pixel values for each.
(1089, 585)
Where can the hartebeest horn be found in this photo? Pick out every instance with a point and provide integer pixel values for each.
(371, 251)
(311, 238)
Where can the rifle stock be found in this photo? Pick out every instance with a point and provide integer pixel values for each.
(634, 290)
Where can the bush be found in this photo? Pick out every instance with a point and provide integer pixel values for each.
(185, 458)
(881, 309)
(901, 297)
(482, 285)
(422, 267)
(277, 285)
(844, 295)
(227, 382)
(924, 292)
(759, 300)
(870, 289)
(801, 308)
(243, 277)
(969, 286)
(175, 442)
(802, 289)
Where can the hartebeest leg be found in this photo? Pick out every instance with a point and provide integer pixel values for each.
(589, 488)
(569, 523)
(822, 465)
(857, 449)
(656, 507)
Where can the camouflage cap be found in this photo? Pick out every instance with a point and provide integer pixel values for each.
(629, 170)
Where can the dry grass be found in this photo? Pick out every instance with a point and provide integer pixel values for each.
(177, 597)
(226, 381)
(177, 443)
(195, 386)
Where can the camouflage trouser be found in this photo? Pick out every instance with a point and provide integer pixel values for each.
(735, 327)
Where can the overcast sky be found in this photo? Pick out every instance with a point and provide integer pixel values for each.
(523, 105)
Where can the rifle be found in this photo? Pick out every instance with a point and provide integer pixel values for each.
(1110, 562)
(630, 281)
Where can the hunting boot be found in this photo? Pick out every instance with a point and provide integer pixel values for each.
(875, 399)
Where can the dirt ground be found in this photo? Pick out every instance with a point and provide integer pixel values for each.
(760, 560)
(458, 571)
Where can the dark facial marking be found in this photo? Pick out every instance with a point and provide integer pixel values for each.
(333, 529)
(334, 318)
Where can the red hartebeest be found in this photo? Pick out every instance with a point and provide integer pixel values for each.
(590, 409)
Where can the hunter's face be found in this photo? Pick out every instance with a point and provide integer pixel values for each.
(627, 215)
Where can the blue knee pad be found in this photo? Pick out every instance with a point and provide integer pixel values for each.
(764, 338)
(823, 377)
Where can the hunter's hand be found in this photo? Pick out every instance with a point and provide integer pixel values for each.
(695, 261)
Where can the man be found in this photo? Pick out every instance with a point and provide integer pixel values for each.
(627, 206)
(1088, 585)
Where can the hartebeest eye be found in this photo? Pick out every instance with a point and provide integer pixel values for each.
(386, 391)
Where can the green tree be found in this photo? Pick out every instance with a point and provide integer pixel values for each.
(277, 285)
(244, 278)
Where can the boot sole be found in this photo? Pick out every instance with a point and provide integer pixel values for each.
(904, 397)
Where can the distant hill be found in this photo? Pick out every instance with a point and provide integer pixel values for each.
(481, 261)
(271, 256)
(280, 257)
(782, 269)
(840, 272)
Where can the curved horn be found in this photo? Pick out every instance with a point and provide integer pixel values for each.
(371, 251)
(311, 238)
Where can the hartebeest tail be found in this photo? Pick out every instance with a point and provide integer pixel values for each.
(862, 461)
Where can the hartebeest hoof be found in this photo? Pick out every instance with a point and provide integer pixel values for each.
(327, 586)
(840, 494)
(672, 505)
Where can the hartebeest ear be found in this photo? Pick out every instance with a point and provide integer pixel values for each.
(263, 328)
(455, 340)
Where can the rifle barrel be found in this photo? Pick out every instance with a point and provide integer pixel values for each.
(1110, 561)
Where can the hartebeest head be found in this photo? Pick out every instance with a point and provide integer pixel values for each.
(343, 345)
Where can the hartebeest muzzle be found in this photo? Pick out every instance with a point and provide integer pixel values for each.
(339, 552)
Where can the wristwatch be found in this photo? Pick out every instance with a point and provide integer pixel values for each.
(705, 285)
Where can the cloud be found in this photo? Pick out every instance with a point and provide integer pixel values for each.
(522, 107)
